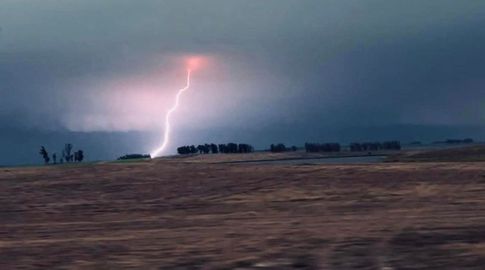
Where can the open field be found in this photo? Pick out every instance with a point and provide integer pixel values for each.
(456, 154)
(195, 213)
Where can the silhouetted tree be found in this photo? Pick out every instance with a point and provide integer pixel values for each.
(207, 148)
(54, 158)
(222, 148)
(79, 156)
(391, 145)
(214, 149)
(374, 146)
(44, 154)
(203, 149)
(278, 148)
(322, 147)
(245, 148)
(183, 150)
(67, 152)
(232, 148)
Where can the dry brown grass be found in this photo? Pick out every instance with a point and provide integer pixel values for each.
(193, 214)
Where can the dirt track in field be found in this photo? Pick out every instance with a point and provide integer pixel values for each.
(181, 214)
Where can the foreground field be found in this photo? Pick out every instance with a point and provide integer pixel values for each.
(191, 214)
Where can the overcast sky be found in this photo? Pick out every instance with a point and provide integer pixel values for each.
(101, 74)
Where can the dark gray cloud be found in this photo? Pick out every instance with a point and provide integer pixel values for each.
(282, 70)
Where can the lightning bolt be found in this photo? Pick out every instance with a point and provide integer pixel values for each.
(166, 132)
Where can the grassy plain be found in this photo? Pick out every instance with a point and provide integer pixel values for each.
(199, 213)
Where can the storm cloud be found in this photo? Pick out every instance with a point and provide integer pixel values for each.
(280, 70)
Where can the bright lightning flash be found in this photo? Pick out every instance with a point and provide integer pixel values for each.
(166, 133)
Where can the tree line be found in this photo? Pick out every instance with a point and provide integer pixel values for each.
(134, 156)
(322, 147)
(374, 146)
(455, 141)
(280, 147)
(336, 147)
(67, 155)
(215, 149)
